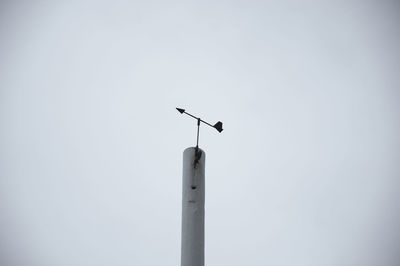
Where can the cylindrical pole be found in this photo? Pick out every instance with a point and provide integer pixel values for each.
(192, 249)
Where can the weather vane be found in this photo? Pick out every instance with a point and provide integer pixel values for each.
(217, 126)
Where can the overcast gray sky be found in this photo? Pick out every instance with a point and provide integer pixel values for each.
(305, 173)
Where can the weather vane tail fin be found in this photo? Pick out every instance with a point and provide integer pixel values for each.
(218, 126)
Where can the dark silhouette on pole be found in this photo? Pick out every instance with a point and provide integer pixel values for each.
(217, 126)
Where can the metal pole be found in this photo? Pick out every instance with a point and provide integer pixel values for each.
(198, 133)
(192, 249)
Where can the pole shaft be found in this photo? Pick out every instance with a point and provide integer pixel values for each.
(198, 133)
(192, 249)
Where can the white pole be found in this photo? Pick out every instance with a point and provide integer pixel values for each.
(192, 249)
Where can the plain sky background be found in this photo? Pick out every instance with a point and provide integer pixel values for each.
(306, 172)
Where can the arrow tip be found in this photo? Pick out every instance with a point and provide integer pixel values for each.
(180, 110)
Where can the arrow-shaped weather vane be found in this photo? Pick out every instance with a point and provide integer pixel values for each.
(217, 126)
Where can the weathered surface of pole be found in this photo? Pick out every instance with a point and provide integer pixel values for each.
(192, 249)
